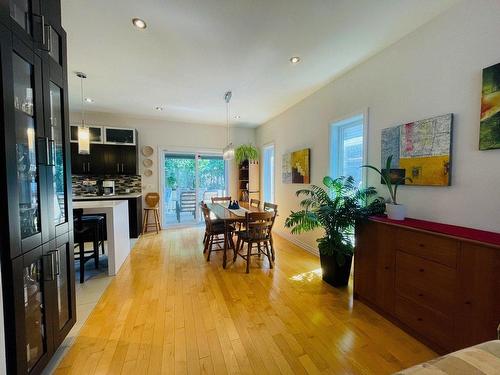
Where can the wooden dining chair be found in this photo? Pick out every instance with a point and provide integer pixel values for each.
(214, 234)
(152, 200)
(254, 203)
(258, 227)
(272, 208)
(221, 199)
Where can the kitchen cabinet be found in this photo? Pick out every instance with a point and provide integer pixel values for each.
(95, 132)
(120, 136)
(105, 159)
(37, 254)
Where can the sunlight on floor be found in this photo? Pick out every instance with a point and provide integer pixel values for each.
(307, 276)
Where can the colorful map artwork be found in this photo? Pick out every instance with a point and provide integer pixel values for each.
(421, 150)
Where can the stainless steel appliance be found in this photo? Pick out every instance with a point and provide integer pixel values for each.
(108, 187)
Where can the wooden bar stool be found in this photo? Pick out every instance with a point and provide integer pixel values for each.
(152, 200)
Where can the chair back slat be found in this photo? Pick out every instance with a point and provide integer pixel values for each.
(259, 224)
(188, 201)
(255, 203)
(220, 199)
(270, 207)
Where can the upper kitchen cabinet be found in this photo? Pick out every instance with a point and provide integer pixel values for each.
(96, 134)
(120, 136)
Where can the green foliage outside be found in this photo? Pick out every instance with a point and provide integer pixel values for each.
(180, 173)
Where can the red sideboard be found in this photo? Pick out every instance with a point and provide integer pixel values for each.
(440, 283)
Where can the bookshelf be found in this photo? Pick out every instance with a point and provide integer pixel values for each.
(248, 180)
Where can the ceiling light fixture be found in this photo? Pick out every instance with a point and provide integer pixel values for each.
(83, 131)
(295, 60)
(140, 24)
(237, 117)
(89, 100)
(228, 151)
(159, 108)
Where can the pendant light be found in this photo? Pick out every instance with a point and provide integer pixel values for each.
(83, 130)
(228, 151)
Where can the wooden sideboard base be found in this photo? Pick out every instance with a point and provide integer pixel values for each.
(432, 345)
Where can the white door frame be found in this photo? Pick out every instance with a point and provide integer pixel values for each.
(162, 150)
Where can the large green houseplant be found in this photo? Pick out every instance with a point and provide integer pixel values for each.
(395, 211)
(335, 209)
(246, 152)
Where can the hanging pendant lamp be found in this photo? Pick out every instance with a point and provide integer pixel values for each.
(83, 130)
(228, 151)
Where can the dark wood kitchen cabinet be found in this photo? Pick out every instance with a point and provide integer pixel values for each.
(105, 159)
(36, 242)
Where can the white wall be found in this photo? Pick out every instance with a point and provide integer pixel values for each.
(433, 71)
(158, 134)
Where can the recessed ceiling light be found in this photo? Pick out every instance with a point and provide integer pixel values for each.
(159, 108)
(140, 24)
(295, 59)
(237, 117)
(89, 100)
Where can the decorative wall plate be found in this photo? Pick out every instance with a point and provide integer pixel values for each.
(147, 151)
(148, 173)
(148, 163)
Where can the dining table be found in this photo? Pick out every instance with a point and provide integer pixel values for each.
(229, 216)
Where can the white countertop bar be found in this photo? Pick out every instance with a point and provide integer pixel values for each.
(104, 197)
(117, 229)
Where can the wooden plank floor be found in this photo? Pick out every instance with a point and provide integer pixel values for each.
(168, 311)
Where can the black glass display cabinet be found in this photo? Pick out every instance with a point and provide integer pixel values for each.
(37, 240)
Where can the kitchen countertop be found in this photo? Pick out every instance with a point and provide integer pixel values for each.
(104, 197)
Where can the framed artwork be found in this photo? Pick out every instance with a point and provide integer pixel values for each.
(295, 167)
(420, 150)
(489, 133)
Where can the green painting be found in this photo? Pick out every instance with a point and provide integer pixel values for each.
(489, 135)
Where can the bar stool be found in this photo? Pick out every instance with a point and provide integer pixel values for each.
(152, 200)
(87, 228)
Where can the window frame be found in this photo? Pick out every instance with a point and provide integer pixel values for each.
(272, 173)
(334, 142)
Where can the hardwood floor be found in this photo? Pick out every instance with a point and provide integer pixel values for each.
(168, 311)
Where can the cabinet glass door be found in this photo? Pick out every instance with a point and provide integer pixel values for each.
(34, 312)
(20, 11)
(57, 162)
(63, 286)
(26, 156)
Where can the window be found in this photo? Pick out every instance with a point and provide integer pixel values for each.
(347, 148)
(269, 173)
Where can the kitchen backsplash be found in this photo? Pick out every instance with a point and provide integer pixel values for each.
(122, 183)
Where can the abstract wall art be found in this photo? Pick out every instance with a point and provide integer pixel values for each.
(421, 150)
(295, 167)
(489, 134)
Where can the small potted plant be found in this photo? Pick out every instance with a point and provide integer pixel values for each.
(395, 211)
(246, 152)
(336, 210)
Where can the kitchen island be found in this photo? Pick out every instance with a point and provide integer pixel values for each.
(117, 228)
(134, 208)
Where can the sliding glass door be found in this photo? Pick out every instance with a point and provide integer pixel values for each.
(189, 179)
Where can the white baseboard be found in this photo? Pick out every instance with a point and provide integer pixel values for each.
(293, 239)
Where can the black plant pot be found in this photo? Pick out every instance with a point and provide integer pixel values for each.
(334, 274)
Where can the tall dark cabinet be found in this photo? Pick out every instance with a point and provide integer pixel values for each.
(36, 239)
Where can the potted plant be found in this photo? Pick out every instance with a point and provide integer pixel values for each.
(335, 209)
(395, 211)
(246, 152)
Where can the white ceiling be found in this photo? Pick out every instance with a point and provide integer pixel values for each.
(194, 50)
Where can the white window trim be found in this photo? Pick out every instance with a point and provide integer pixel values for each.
(269, 145)
(365, 113)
